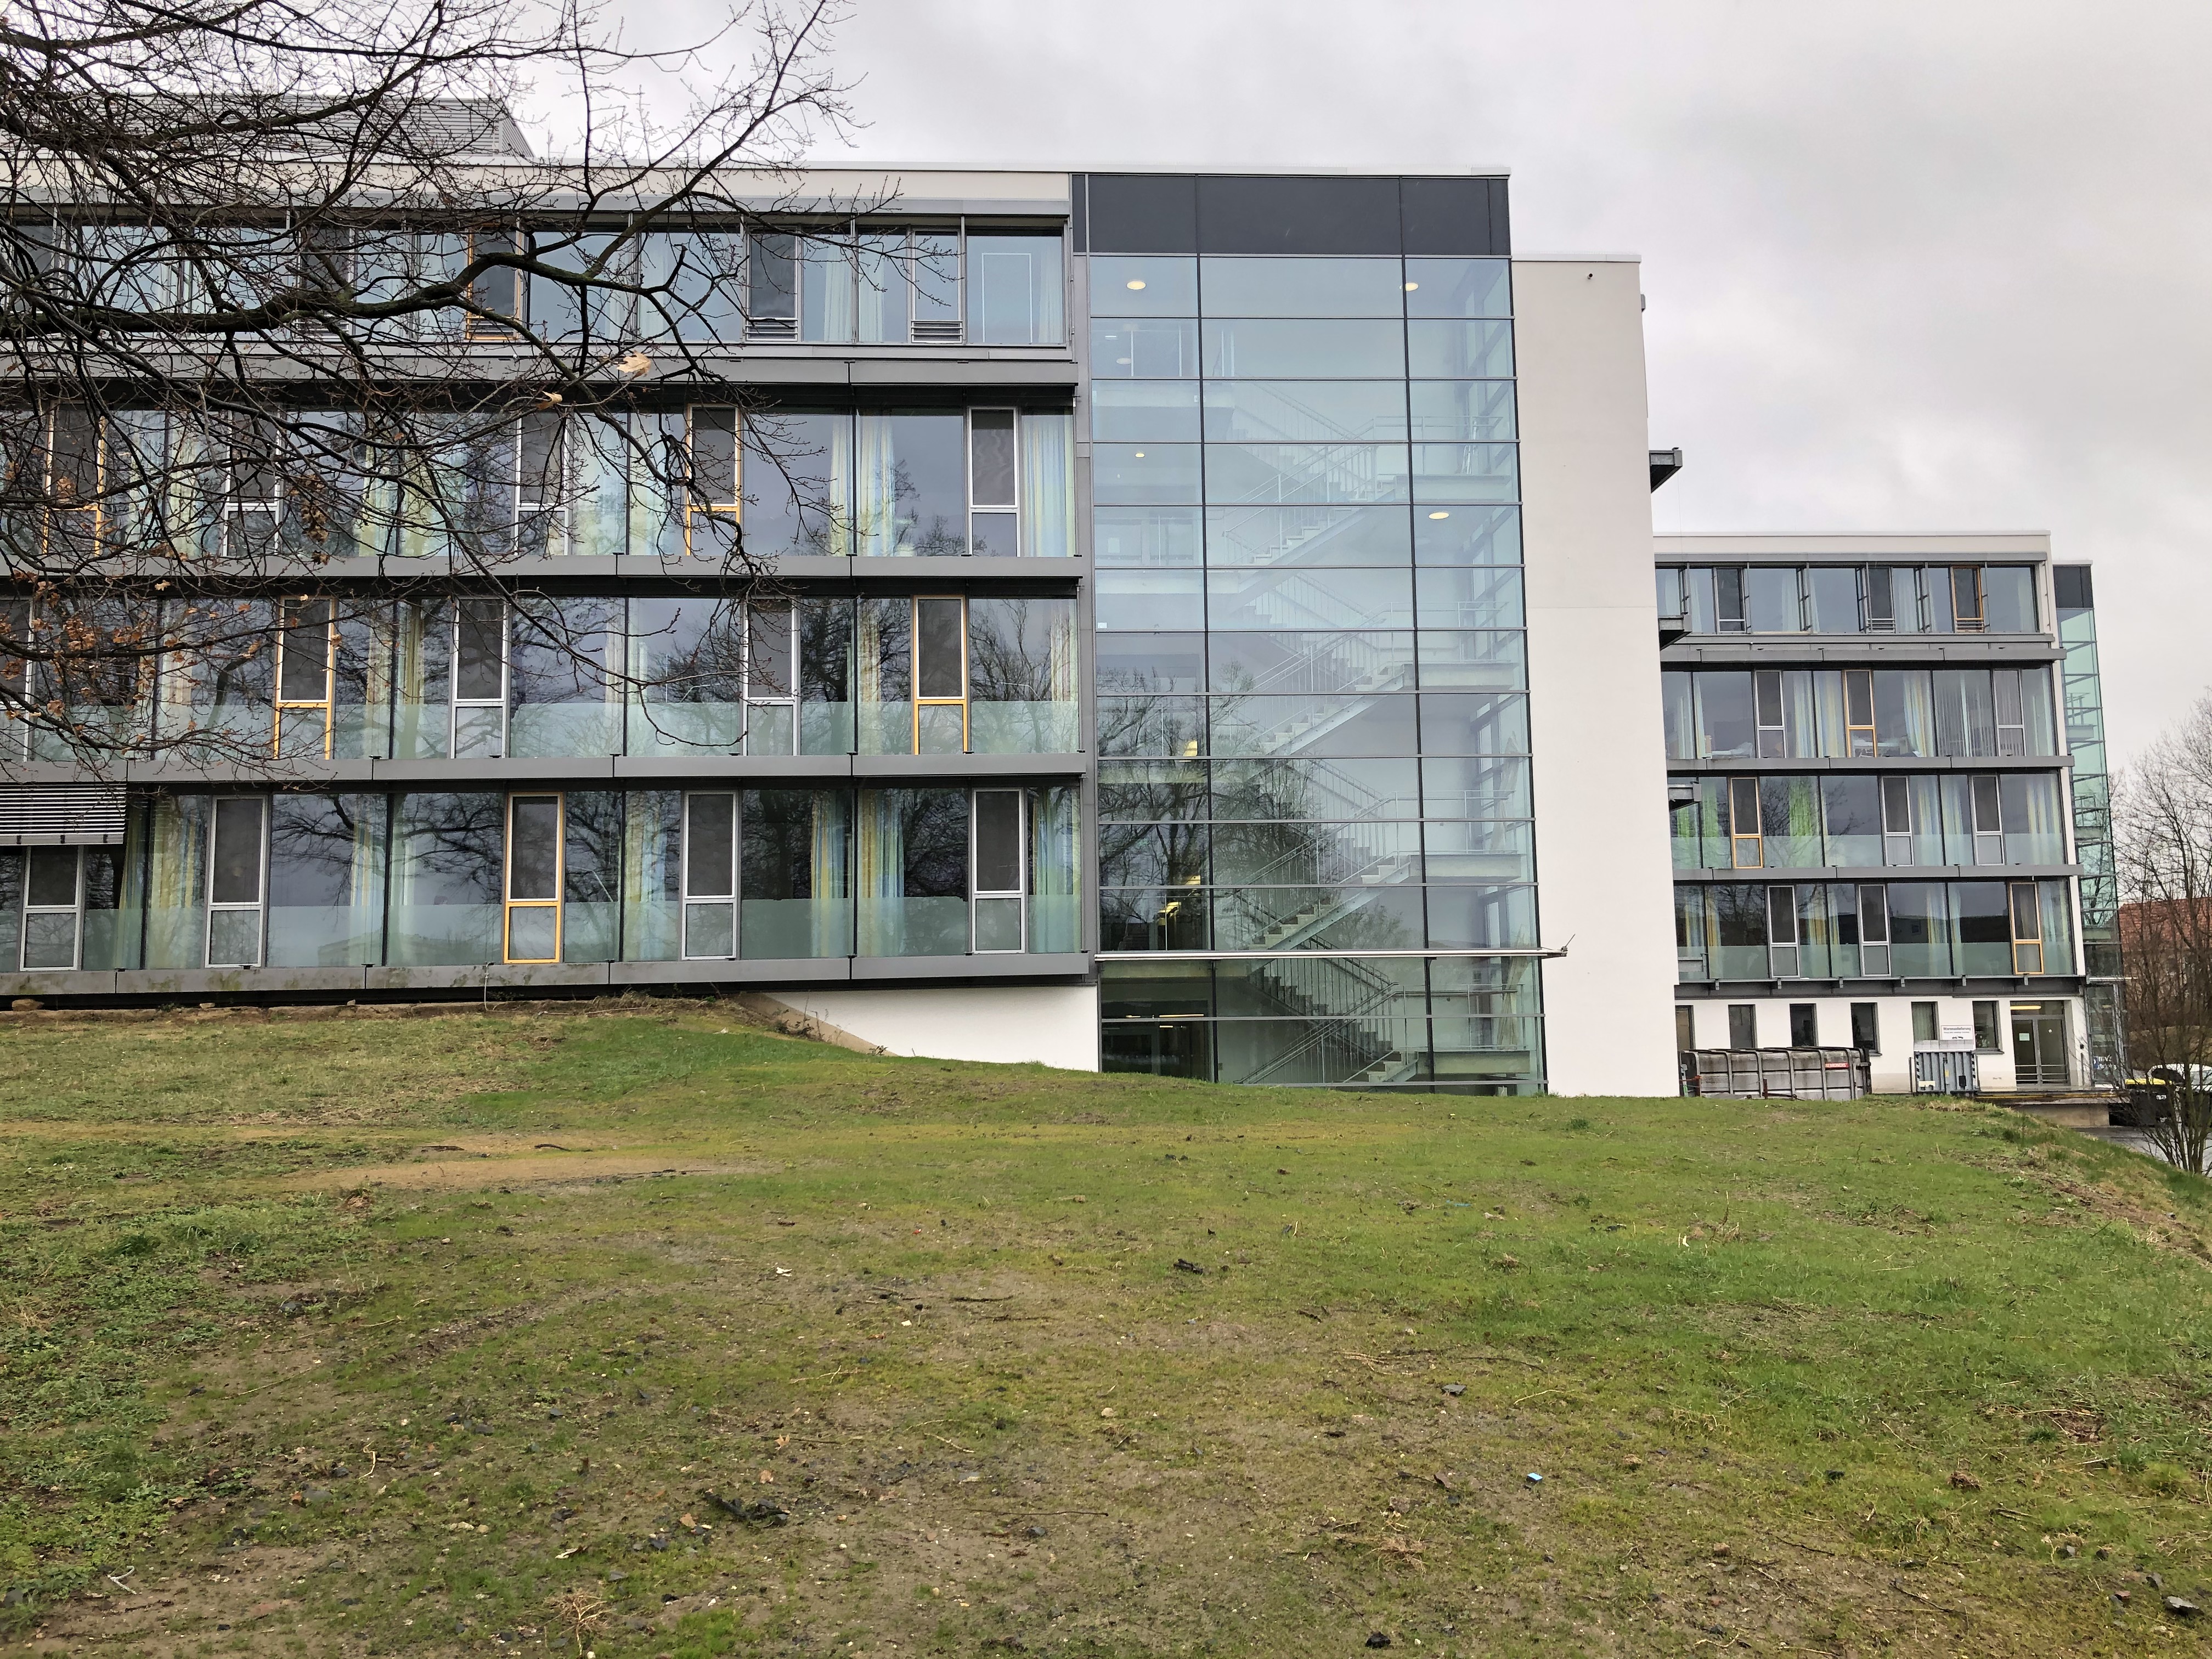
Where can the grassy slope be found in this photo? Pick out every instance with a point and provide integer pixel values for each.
(1840, 1376)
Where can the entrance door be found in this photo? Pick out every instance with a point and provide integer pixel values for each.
(2038, 1046)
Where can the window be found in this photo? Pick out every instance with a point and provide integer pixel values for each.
(1804, 1026)
(1745, 851)
(1881, 600)
(1727, 593)
(2027, 929)
(1989, 820)
(940, 676)
(1985, 1028)
(771, 290)
(710, 875)
(1015, 290)
(305, 654)
(997, 879)
(534, 838)
(1874, 931)
(2009, 704)
(1743, 1026)
(236, 849)
(711, 504)
(1866, 1027)
(1923, 1022)
(1685, 1028)
(479, 678)
(1897, 820)
(1782, 931)
(1966, 598)
(992, 484)
(1766, 693)
(52, 894)
(1858, 712)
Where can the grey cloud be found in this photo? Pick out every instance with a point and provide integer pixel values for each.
(1910, 266)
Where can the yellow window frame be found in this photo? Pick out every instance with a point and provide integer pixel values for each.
(913, 667)
(510, 905)
(324, 703)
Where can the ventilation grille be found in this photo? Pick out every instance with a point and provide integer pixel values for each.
(61, 815)
(947, 329)
(772, 328)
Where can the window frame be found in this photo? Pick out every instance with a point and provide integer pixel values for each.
(258, 905)
(74, 909)
(1018, 893)
(456, 702)
(687, 899)
(1012, 512)
(709, 510)
(2027, 947)
(914, 668)
(509, 904)
(324, 705)
(1782, 955)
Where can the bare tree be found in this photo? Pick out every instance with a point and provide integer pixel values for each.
(293, 322)
(2162, 839)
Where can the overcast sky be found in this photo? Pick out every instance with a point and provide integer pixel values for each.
(1935, 265)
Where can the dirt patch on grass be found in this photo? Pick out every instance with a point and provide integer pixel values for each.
(468, 1171)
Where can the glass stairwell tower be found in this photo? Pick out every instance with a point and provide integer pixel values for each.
(1316, 854)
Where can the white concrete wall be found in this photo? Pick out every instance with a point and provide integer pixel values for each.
(1049, 1025)
(1890, 1072)
(1605, 884)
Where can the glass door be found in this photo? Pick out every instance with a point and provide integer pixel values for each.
(2039, 1045)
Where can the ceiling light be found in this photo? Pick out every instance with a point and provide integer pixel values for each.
(1140, 454)
(1136, 281)
(1410, 287)
(1440, 515)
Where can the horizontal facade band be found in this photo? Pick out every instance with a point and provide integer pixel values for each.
(1855, 872)
(1781, 765)
(592, 768)
(1853, 650)
(1747, 990)
(589, 572)
(1249, 955)
(278, 982)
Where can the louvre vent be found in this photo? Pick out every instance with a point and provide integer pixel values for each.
(772, 328)
(61, 815)
(946, 329)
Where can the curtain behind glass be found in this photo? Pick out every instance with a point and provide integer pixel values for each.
(448, 852)
(652, 875)
(176, 883)
(1055, 863)
(1048, 484)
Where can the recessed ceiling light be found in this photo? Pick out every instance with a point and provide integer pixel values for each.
(1136, 281)
(1410, 287)
(1440, 515)
(1140, 454)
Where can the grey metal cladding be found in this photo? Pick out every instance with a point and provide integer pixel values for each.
(1455, 216)
(1140, 212)
(1271, 214)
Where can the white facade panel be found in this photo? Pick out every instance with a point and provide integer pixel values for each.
(1604, 877)
(1052, 1025)
(1890, 1066)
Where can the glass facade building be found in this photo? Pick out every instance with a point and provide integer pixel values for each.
(1316, 854)
(1903, 740)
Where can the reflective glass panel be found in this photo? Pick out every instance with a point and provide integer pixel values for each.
(1144, 285)
(1294, 287)
(1363, 349)
(1305, 412)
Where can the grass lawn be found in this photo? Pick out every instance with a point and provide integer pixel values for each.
(638, 1330)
